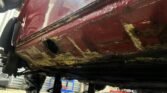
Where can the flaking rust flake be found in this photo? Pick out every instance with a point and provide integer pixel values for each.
(69, 59)
(65, 59)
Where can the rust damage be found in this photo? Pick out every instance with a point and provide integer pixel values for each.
(65, 59)
(129, 28)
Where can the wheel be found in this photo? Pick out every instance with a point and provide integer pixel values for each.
(5, 39)
(10, 59)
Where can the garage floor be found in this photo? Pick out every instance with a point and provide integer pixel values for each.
(11, 91)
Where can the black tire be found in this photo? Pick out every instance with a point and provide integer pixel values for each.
(5, 39)
(10, 32)
(16, 29)
(11, 65)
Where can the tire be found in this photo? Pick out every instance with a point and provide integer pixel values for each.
(11, 65)
(16, 29)
(5, 39)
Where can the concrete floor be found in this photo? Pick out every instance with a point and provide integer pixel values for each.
(14, 91)
(11, 91)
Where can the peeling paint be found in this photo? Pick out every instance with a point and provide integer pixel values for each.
(64, 59)
(129, 28)
(69, 59)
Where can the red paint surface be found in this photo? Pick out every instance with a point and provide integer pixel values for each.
(102, 30)
(36, 13)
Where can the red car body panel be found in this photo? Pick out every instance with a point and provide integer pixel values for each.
(120, 28)
(41, 13)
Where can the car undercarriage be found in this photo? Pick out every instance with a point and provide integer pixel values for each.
(107, 42)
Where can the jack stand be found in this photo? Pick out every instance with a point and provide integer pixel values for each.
(91, 88)
(57, 84)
